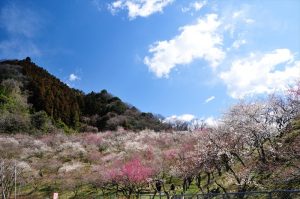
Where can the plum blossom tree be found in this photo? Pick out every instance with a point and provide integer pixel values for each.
(131, 178)
(234, 158)
(73, 181)
(253, 122)
(206, 161)
(99, 179)
(9, 170)
(284, 108)
(185, 165)
(163, 171)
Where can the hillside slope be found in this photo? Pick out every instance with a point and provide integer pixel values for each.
(88, 112)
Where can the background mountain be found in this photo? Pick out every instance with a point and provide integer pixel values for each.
(29, 93)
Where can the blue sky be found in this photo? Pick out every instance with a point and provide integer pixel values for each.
(177, 58)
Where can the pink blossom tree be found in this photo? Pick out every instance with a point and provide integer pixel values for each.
(131, 178)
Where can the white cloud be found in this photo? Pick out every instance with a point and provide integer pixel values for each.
(211, 121)
(209, 99)
(139, 8)
(237, 14)
(117, 4)
(260, 74)
(249, 21)
(238, 43)
(192, 121)
(73, 77)
(200, 40)
(185, 9)
(241, 15)
(203, 122)
(197, 5)
(183, 118)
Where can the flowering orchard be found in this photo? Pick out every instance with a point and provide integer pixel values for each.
(254, 146)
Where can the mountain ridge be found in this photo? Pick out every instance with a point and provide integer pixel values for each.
(84, 112)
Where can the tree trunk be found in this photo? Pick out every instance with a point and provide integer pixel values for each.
(208, 181)
(263, 155)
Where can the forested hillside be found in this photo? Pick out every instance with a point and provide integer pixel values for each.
(67, 107)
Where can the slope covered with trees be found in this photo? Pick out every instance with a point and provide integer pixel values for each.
(71, 107)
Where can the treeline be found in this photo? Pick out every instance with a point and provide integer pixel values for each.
(71, 108)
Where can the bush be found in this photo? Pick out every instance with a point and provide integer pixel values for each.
(14, 123)
(39, 120)
(87, 128)
(61, 125)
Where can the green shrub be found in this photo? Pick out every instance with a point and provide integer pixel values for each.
(39, 120)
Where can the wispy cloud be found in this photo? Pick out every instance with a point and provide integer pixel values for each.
(19, 20)
(237, 21)
(194, 6)
(198, 41)
(21, 25)
(97, 4)
(15, 48)
(209, 99)
(261, 73)
(138, 8)
(238, 43)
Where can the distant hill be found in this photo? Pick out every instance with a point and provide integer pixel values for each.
(73, 108)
